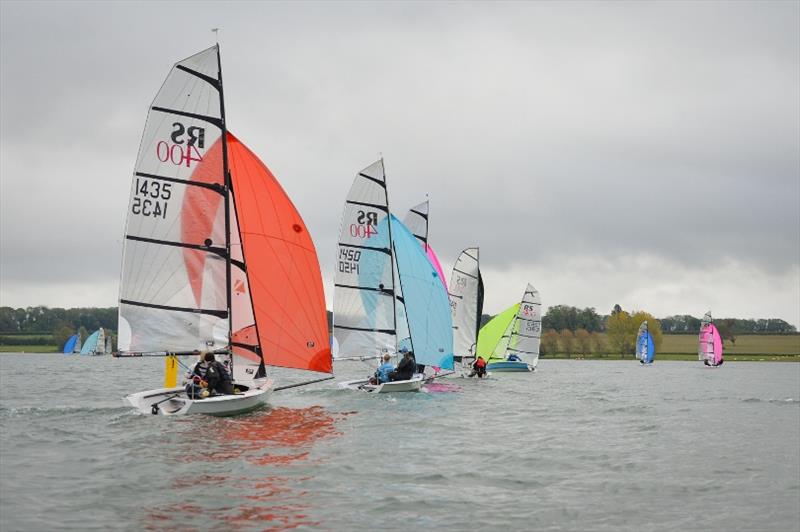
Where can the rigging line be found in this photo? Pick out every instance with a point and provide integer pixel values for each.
(279, 388)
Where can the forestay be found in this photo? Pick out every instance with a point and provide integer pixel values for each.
(466, 302)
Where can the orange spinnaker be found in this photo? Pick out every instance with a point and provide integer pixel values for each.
(282, 267)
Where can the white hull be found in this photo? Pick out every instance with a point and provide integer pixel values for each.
(175, 401)
(412, 385)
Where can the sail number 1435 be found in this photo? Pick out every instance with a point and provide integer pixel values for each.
(151, 198)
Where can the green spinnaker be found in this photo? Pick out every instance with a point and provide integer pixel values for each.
(495, 332)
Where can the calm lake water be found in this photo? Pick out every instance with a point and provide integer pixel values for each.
(579, 445)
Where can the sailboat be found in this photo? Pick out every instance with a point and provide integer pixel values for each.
(510, 341)
(466, 304)
(709, 348)
(645, 348)
(387, 294)
(417, 221)
(72, 345)
(216, 258)
(95, 343)
(109, 348)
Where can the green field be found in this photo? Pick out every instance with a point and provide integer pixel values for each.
(753, 344)
(28, 349)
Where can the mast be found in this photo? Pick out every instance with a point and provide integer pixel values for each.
(391, 256)
(227, 194)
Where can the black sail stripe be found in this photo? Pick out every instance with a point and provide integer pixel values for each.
(373, 205)
(218, 313)
(365, 329)
(419, 213)
(386, 291)
(456, 295)
(216, 187)
(254, 348)
(521, 351)
(373, 179)
(465, 273)
(209, 249)
(356, 246)
(211, 81)
(525, 335)
(470, 256)
(210, 119)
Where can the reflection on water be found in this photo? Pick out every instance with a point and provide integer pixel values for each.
(258, 462)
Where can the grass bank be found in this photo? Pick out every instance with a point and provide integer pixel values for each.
(28, 349)
(687, 357)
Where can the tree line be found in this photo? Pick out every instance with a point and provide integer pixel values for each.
(584, 325)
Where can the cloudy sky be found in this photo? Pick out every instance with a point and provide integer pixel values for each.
(646, 154)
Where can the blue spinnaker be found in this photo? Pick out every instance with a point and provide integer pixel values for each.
(69, 346)
(427, 304)
(645, 347)
(90, 345)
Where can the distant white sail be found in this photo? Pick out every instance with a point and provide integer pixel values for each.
(466, 302)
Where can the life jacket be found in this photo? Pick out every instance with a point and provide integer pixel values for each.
(480, 363)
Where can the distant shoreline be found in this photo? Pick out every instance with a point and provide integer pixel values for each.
(680, 357)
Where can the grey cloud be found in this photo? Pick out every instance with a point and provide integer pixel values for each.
(593, 129)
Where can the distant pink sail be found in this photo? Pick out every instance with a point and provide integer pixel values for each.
(435, 261)
(711, 344)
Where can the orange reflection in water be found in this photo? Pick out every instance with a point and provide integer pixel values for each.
(267, 498)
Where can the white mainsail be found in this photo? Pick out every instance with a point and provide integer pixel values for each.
(173, 291)
(524, 336)
(417, 222)
(101, 343)
(365, 316)
(466, 302)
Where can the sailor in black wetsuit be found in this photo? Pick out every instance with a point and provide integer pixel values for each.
(218, 377)
(405, 369)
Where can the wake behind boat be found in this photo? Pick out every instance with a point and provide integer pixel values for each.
(200, 253)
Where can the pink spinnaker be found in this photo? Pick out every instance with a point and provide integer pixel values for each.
(711, 342)
(435, 261)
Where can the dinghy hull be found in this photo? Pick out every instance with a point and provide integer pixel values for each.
(508, 367)
(412, 385)
(175, 401)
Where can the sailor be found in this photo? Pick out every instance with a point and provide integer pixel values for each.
(219, 379)
(478, 368)
(406, 367)
(197, 387)
(382, 374)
